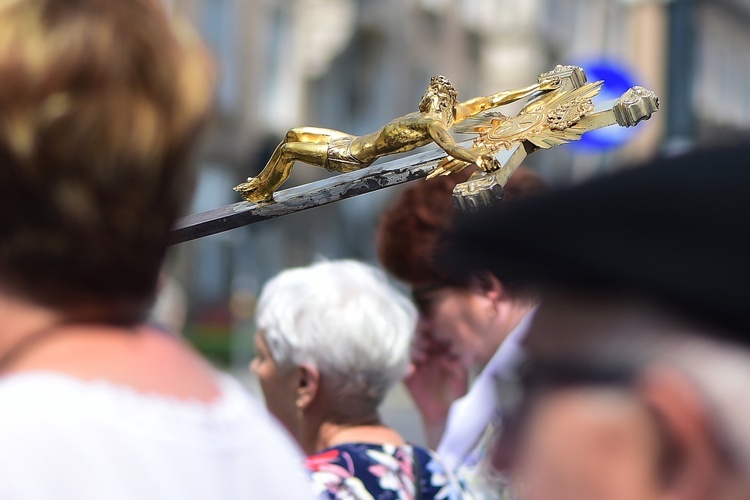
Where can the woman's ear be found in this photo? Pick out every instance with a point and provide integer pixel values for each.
(308, 382)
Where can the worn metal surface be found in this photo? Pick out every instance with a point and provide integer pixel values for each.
(314, 194)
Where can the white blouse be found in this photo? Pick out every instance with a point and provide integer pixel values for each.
(470, 415)
(64, 438)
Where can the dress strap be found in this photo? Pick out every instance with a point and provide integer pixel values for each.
(33, 339)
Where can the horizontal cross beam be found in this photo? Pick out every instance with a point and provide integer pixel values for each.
(480, 191)
(315, 194)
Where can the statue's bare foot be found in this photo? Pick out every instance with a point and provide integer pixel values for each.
(253, 191)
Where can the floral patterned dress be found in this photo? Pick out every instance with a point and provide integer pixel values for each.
(360, 471)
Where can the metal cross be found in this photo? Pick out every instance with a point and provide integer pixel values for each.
(550, 120)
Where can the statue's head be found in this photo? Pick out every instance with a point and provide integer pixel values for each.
(440, 92)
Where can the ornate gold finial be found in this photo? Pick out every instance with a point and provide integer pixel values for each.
(555, 118)
(635, 105)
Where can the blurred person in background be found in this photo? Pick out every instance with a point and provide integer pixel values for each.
(467, 326)
(101, 102)
(639, 355)
(586, 437)
(333, 338)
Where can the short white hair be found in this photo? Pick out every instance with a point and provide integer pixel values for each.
(345, 319)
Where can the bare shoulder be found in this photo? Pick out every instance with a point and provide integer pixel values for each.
(177, 369)
(413, 121)
(146, 360)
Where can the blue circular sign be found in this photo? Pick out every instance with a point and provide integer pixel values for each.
(617, 80)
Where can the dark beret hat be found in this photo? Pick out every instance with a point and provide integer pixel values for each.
(676, 231)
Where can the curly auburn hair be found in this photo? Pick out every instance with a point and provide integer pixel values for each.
(410, 229)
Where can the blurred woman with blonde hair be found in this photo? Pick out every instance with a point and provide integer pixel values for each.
(101, 102)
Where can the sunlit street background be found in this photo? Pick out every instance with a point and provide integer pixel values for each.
(353, 65)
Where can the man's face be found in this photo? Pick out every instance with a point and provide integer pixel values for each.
(585, 440)
(588, 443)
(690, 382)
(460, 321)
(437, 100)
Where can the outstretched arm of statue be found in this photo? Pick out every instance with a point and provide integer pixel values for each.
(445, 140)
(474, 106)
(460, 156)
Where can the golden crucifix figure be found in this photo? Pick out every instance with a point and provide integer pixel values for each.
(439, 110)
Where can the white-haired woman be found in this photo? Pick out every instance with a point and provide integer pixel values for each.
(332, 339)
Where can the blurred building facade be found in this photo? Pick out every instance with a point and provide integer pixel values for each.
(353, 65)
(720, 97)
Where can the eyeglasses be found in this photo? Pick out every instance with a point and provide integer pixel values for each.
(424, 296)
